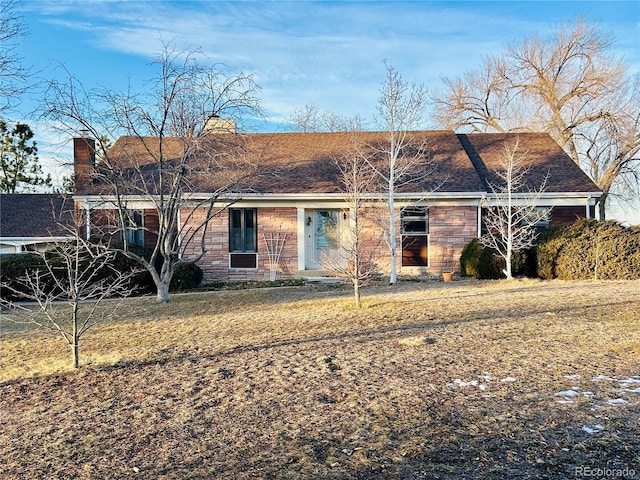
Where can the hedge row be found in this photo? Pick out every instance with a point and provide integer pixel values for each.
(15, 267)
(483, 262)
(586, 249)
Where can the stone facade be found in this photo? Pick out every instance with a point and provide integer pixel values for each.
(278, 223)
(450, 229)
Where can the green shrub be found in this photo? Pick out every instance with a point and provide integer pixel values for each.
(141, 281)
(486, 263)
(185, 277)
(588, 249)
(470, 259)
(14, 267)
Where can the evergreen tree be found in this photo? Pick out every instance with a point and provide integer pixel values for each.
(19, 167)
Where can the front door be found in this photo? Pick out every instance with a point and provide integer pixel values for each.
(323, 237)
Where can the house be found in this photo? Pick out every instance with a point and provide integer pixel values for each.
(294, 203)
(33, 221)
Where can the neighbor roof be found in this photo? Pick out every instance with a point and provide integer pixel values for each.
(34, 215)
(305, 162)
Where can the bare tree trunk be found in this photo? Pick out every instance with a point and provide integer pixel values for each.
(356, 291)
(162, 295)
(393, 247)
(75, 332)
(602, 207)
(75, 352)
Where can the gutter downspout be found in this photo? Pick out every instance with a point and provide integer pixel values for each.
(88, 221)
(479, 226)
(179, 220)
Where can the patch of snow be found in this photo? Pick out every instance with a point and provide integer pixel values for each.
(509, 379)
(617, 401)
(588, 394)
(572, 377)
(594, 429)
(460, 383)
(567, 394)
(600, 378)
(565, 401)
(633, 390)
(629, 381)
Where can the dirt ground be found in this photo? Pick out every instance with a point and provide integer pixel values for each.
(464, 380)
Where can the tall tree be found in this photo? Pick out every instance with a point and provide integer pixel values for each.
(401, 109)
(168, 150)
(570, 85)
(19, 167)
(12, 73)
(512, 210)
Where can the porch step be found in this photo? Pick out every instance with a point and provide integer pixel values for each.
(316, 280)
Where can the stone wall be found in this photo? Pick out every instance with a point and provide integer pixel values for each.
(450, 229)
(271, 223)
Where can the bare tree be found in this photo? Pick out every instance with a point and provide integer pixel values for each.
(401, 109)
(73, 290)
(12, 73)
(311, 119)
(356, 260)
(177, 147)
(571, 86)
(512, 210)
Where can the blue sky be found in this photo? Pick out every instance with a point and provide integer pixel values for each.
(326, 53)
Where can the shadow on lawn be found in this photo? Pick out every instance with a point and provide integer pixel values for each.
(362, 335)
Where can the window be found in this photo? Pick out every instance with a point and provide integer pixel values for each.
(415, 236)
(415, 220)
(539, 217)
(133, 230)
(243, 231)
(243, 238)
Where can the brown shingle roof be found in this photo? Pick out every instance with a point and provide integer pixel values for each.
(34, 215)
(304, 162)
(542, 155)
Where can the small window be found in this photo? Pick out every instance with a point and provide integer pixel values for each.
(243, 230)
(134, 228)
(539, 217)
(415, 221)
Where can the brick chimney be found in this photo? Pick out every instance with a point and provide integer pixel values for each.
(84, 161)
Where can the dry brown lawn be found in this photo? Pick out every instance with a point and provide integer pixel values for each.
(486, 380)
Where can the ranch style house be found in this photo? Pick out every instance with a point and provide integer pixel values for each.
(294, 202)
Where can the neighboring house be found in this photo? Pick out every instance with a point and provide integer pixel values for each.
(298, 196)
(33, 221)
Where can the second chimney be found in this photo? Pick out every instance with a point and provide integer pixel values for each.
(84, 162)
(215, 124)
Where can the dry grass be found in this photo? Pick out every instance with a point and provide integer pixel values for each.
(428, 380)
